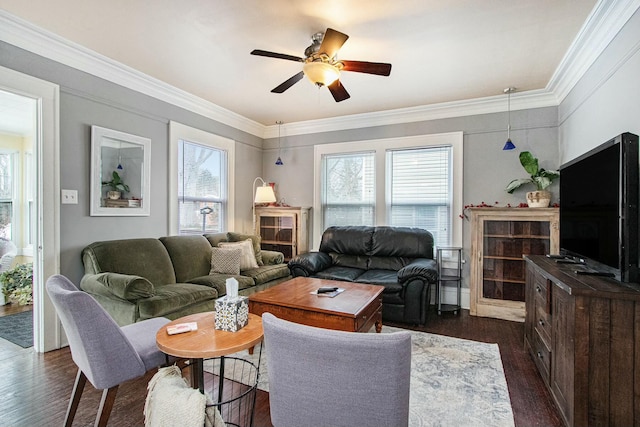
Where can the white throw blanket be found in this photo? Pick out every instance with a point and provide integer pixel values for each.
(171, 402)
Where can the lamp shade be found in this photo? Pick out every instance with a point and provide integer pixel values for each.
(321, 73)
(264, 194)
(508, 145)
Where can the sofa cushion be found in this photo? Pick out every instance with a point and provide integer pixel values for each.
(267, 273)
(225, 261)
(347, 274)
(138, 257)
(355, 240)
(348, 260)
(247, 258)
(219, 281)
(389, 279)
(215, 238)
(387, 263)
(255, 240)
(170, 298)
(401, 242)
(190, 255)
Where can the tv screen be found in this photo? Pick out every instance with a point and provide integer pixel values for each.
(599, 207)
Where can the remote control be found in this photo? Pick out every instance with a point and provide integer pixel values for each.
(326, 290)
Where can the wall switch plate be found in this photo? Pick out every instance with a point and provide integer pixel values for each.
(69, 197)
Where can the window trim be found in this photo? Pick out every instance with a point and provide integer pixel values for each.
(381, 146)
(177, 132)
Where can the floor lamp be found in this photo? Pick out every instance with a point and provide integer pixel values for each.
(262, 194)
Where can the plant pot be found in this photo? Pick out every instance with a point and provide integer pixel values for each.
(113, 195)
(538, 199)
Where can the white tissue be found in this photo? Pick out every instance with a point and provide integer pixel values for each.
(232, 287)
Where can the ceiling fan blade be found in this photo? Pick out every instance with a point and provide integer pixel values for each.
(379, 68)
(276, 55)
(338, 91)
(332, 42)
(287, 84)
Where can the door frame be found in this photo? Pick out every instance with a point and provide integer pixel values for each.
(46, 255)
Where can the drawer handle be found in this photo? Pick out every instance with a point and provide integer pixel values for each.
(538, 289)
(540, 356)
(541, 322)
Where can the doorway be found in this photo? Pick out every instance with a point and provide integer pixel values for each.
(18, 132)
(45, 212)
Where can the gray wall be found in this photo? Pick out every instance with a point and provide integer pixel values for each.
(86, 100)
(606, 101)
(487, 168)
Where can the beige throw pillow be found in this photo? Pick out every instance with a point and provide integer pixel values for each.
(257, 250)
(225, 261)
(248, 257)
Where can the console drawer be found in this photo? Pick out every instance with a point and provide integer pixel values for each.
(542, 357)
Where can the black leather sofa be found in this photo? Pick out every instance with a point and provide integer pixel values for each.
(398, 258)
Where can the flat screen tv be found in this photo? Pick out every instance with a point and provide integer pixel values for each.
(599, 208)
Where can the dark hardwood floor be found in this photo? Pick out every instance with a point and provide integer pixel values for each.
(35, 388)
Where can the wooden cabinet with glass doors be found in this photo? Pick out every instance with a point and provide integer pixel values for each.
(283, 229)
(499, 239)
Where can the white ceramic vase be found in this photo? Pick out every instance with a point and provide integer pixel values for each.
(538, 199)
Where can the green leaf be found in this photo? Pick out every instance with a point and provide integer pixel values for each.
(529, 163)
(517, 183)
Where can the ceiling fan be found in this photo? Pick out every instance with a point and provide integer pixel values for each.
(321, 65)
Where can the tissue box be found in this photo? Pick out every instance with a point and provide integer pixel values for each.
(232, 313)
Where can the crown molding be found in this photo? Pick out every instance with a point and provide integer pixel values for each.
(468, 107)
(602, 25)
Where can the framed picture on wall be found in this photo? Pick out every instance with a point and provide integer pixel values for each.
(120, 173)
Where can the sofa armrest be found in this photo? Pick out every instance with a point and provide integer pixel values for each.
(272, 257)
(421, 267)
(124, 286)
(309, 264)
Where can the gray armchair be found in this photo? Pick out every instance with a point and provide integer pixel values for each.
(321, 377)
(106, 354)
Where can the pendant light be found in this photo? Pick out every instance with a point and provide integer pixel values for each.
(509, 145)
(279, 159)
(120, 158)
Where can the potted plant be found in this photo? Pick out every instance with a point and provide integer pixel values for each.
(117, 186)
(17, 284)
(540, 177)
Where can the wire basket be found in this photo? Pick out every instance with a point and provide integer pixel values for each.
(231, 383)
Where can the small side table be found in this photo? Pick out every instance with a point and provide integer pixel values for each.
(448, 276)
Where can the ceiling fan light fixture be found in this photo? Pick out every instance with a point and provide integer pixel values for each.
(321, 73)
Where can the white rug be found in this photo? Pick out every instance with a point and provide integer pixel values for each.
(454, 382)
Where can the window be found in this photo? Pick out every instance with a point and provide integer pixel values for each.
(411, 182)
(419, 190)
(201, 181)
(7, 173)
(348, 189)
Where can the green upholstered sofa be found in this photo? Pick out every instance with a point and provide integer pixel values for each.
(137, 279)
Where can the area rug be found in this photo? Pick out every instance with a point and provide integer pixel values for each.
(454, 382)
(18, 328)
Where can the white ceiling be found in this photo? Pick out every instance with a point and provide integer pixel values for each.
(441, 50)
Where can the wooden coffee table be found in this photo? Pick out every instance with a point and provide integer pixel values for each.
(356, 309)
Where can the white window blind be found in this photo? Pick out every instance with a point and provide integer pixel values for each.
(202, 184)
(348, 189)
(419, 191)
